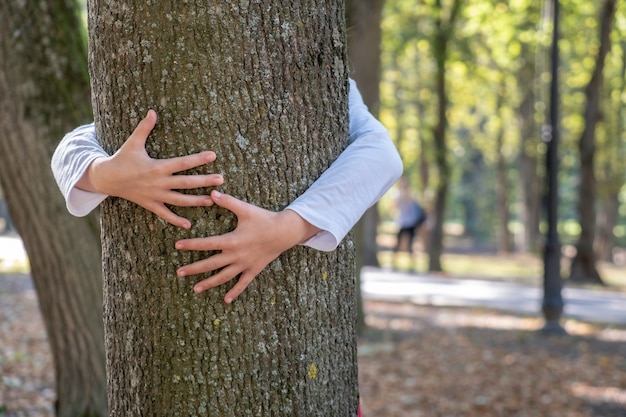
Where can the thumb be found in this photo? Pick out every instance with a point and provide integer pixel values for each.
(228, 202)
(144, 127)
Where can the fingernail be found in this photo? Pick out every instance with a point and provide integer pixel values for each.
(228, 300)
(181, 273)
(197, 290)
(217, 194)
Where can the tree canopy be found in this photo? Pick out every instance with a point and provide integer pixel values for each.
(494, 44)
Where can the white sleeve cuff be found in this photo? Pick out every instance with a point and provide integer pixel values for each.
(69, 162)
(323, 241)
(80, 203)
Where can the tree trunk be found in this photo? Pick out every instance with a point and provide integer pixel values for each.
(364, 37)
(44, 92)
(613, 169)
(530, 210)
(502, 184)
(583, 268)
(607, 219)
(265, 86)
(529, 187)
(472, 174)
(442, 36)
(435, 243)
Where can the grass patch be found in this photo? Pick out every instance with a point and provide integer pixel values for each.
(526, 268)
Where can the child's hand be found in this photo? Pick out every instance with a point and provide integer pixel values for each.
(259, 238)
(131, 174)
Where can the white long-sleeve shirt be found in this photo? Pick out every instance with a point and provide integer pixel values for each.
(360, 176)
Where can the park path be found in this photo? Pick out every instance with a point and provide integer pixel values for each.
(12, 252)
(599, 306)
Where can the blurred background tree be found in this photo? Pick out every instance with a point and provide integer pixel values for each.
(44, 92)
(583, 266)
(497, 73)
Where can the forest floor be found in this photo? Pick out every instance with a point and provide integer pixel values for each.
(414, 361)
(418, 361)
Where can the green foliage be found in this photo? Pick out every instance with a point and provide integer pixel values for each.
(494, 43)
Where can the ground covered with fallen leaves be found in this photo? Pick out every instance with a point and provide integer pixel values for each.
(414, 361)
(439, 362)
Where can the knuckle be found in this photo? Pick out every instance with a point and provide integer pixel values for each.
(156, 169)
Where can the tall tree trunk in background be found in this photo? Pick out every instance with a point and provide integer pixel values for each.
(44, 92)
(442, 36)
(364, 37)
(423, 164)
(265, 86)
(529, 183)
(613, 169)
(528, 76)
(502, 184)
(502, 200)
(471, 177)
(607, 219)
(583, 268)
(399, 109)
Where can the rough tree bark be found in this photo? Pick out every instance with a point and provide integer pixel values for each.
(44, 92)
(264, 84)
(583, 267)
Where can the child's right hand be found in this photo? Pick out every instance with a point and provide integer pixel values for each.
(151, 183)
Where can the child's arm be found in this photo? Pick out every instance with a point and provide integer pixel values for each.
(320, 218)
(259, 238)
(86, 174)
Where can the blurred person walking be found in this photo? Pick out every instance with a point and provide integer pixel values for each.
(410, 217)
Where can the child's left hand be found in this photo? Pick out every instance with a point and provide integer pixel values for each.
(259, 238)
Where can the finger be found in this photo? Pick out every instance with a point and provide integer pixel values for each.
(170, 217)
(218, 242)
(216, 280)
(229, 202)
(140, 134)
(177, 199)
(244, 280)
(183, 163)
(209, 264)
(188, 182)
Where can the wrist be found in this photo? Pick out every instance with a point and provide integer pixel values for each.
(90, 180)
(297, 227)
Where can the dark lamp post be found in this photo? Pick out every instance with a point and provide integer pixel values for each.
(552, 300)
